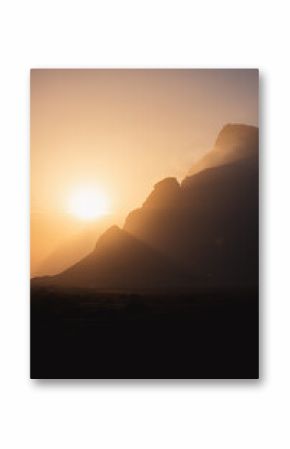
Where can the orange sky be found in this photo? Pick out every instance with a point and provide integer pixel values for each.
(122, 131)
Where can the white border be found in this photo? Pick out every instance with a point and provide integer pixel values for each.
(138, 414)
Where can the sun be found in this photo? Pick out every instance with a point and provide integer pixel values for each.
(88, 203)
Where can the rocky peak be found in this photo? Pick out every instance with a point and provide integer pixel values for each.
(234, 142)
(165, 193)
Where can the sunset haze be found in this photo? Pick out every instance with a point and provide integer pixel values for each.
(119, 132)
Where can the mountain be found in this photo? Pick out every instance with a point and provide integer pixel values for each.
(204, 229)
(209, 223)
(119, 260)
(234, 142)
(72, 249)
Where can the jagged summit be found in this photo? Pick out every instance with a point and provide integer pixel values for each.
(210, 223)
(165, 193)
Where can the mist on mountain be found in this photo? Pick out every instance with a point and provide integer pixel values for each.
(202, 231)
(234, 142)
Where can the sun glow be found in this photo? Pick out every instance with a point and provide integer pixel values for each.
(88, 203)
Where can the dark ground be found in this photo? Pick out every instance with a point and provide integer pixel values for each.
(84, 334)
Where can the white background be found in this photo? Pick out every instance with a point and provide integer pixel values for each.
(188, 414)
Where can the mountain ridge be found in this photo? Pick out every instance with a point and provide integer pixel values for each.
(206, 226)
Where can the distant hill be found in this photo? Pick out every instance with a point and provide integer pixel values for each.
(205, 228)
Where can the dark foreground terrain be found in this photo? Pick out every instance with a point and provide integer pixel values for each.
(85, 334)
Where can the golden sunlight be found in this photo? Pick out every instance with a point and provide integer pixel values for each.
(88, 203)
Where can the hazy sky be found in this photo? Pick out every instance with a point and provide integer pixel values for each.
(124, 130)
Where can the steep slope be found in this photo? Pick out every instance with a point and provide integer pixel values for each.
(210, 226)
(118, 261)
(72, 249)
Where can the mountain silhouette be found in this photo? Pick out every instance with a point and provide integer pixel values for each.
(210, 222)
(72, 249)
(234, 142)
(119, 260)
(205, 228)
